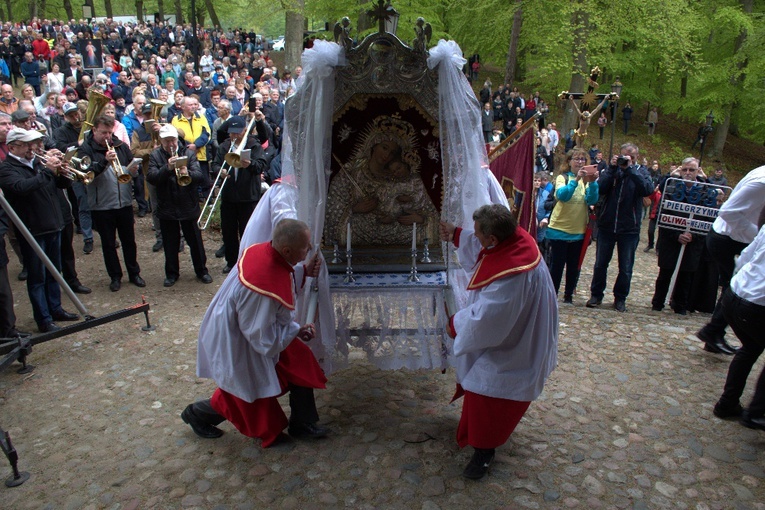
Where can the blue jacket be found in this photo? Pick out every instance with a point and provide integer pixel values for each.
(622, 192)
(131, 124)
(31, 72)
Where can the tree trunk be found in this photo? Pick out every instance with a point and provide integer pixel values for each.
(108, 8)
(363, 23)
(68, 9)
(9, 9)
(684, 85)
(2, 16)
(293, 34)
(139, 10)
(178, 12)
(512, 52)
(213, 15)
(580, 20)
(41, 8)
(161, 10)
(33, 9)
(721, 133)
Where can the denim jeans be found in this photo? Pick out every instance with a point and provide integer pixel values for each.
(625, 244)
(86, 222)
(747, 320)
(44, 292)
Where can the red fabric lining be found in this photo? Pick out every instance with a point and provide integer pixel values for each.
(487, 422)
(516, 254)
(263, 270)
(264, 418)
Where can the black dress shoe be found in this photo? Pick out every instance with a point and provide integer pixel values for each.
(657, 308)
(23, 274)
(720, 347)
(753, 423)
(569, 300)
(13, 333)
(141, 213)
(64, 316)
(115, 285)
(200, 428)
(620, 306)
(220, 252)
(479, 464)
(227, 269)
(593, 302)
(724, 412)
(205, 278)
(80, 288)
(313, 430)
(48, 327)
(137, 281)
(647, 249)
(87, 247)
(169, 282)
(157, 246)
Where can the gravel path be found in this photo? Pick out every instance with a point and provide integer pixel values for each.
(625, 421)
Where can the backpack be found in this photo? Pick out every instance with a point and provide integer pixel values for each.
(550, 201)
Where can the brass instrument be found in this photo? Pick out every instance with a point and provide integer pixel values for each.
(75, 169)
(78, 167)
(234, 160)
(122, 176)
(183, 180)
(156, 115)
(96, 104)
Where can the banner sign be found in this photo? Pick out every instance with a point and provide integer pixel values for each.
(690, 206)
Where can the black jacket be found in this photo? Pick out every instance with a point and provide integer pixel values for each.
(245, 187)
(33, 194)
(66, 136)
(622, 192)
(175, 202)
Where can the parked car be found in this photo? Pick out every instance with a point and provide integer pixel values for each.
(278, 44)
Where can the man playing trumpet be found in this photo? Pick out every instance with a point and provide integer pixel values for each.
(30, 185)
(111, 200)
(177, 202)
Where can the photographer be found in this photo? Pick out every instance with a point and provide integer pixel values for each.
(622, 186)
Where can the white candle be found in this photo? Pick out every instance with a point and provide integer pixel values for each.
(414, 236)
(348, 238)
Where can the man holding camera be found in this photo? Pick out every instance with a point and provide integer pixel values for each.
(623, 187)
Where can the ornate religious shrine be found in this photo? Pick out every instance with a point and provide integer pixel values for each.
(367, 150)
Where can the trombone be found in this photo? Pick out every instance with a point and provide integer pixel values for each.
(234, 160)
(122, 176)
(207, 209)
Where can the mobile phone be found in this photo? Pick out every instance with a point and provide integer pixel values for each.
(252, 105)
(591, 169)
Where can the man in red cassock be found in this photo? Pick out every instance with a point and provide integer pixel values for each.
(251, 347)
(506, 338)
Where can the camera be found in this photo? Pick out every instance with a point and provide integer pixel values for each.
(622, 161)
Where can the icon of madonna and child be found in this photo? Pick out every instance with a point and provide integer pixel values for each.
(379, 190)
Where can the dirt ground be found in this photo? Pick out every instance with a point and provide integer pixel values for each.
(625, 420)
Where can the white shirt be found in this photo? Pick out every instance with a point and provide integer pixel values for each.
(554, 139)
(738, 215)
(507, 335)
(749, 282)
(241, 336)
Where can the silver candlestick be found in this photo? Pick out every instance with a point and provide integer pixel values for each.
(336, 253)
(425, 253)
(348, 267)
(413, 271)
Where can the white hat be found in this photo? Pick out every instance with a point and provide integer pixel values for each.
(168, 131)
(22, 135)
(69, 108)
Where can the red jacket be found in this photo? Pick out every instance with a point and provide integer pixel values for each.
(41, 47)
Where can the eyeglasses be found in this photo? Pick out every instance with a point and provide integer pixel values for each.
(579, 159)
(688, 169)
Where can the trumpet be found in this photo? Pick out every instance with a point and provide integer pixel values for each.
(78, 167)
(183, 180)
(156, 112)
(122, 176)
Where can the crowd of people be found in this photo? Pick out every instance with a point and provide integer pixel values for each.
(159, 124)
